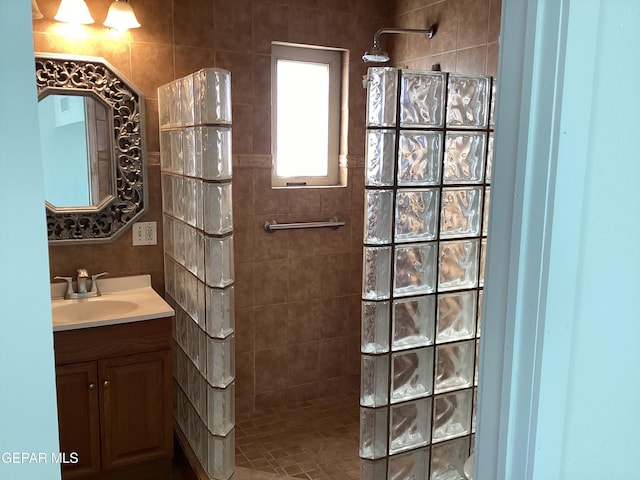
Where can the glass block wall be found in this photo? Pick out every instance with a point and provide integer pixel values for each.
(427, 174)
(195, 142)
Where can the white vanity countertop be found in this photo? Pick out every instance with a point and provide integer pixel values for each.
(123, 300)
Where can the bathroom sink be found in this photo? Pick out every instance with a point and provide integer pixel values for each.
(126, 299)
(78, 310)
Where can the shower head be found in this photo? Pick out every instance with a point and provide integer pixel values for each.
(377, 55)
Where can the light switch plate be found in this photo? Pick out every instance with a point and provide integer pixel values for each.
(145, 233)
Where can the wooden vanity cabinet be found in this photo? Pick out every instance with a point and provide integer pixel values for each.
(114, 400)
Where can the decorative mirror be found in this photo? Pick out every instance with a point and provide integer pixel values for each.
(92, 146)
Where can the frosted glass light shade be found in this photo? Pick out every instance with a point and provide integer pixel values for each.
(74, 11)
(121, 16)
(36, 14)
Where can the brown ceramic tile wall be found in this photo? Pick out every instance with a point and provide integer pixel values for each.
(297, 292)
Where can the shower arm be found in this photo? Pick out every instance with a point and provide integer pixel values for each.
(430, 32)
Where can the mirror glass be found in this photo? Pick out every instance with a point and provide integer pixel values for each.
(75, 148)
(92, 129)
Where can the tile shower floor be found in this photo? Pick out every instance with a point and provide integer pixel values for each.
(312, 440)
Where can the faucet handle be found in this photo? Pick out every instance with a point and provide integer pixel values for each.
(83, 273)
(69, 281)
(94, 283)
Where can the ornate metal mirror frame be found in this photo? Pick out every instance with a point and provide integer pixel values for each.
(94, 76)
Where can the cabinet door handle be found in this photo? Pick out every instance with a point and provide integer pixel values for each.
(106, 383)
(92, 386)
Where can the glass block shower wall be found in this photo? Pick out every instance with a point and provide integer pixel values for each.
(427, 175)
(195, 142)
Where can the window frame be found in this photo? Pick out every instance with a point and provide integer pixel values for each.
(337, 60)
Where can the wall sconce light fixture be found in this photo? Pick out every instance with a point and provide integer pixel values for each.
(36, 14)
(121, 16)
(74, 11)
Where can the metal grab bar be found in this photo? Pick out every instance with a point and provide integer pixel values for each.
(271, 226)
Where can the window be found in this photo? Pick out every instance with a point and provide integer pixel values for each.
(307, 118)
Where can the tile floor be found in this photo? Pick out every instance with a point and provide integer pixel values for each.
(314, 440)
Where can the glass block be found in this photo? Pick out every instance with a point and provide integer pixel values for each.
(200, 305)
(378, 216)
(468, 102)
(411, 465)
(485, 211)
(374, 380)
(492, 105)
(447, 459)
(169, 278)
(212, 93)
(200, 256)
(373, 469)
(458, 265)
(489, 158)
(480, 299)
(180, 409)
(167, 235)
(219, 271)
(213, 152)
(200, 396)
(464, 157)
(413, 322)
(165, 151)
(460, 212)
(178, 196)
(218, 214)
(220, 311)
(422, 99)
(452, 415)
(189, 151)
(477, 362)
(164, 94)
(177, 151)
(167, 194)
(419, 158)
(411, 374)
(221, 456)
(416, 215)
(409, 425)
(415, 269)
(382, 91)
(221, 412)
(474, 414)
(187, 100)
(380, 158)
(191, 187)
(376, 279)
(181, 332)
(375, 327)
(220, 369)
(179, 242)
(175, 113)
(454, 366)
(373, 432)
(456, 316)
(483, 261)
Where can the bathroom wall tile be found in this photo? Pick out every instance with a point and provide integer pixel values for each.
(303, 363)
(334, 356)
(339, 33)
(495, 11)
(335, 278)
(152, 133)
(262, 129)
(269, 246)
(406, 6)
(473, 21)
(271, 399)
(243, 237)
(321, 241)
(242, 191)
(472, 60)
(271, 367)
(271, 326)
(492, 59)
(244, 404)
(268, 201)
(233, 24)
(189, 59)
(302, 393)
(245, 374)
(242, 130)
(272, 278)
(335, 320)
(193, 23)
(156, 19)
(333, 200)
(307, 25)
(305, 319)
(445, 14)
(144, 59)
(244, 285)
(119, 257)
(66, 260)
(270, 23)
(262, 78)
(303, 200)
(447, 61)
(245, 329)
(303, 275)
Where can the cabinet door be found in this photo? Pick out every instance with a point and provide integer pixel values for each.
(135, 412)
(77, 389)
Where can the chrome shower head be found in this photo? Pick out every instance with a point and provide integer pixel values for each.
(377, 55)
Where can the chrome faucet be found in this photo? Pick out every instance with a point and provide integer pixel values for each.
(82, 292)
